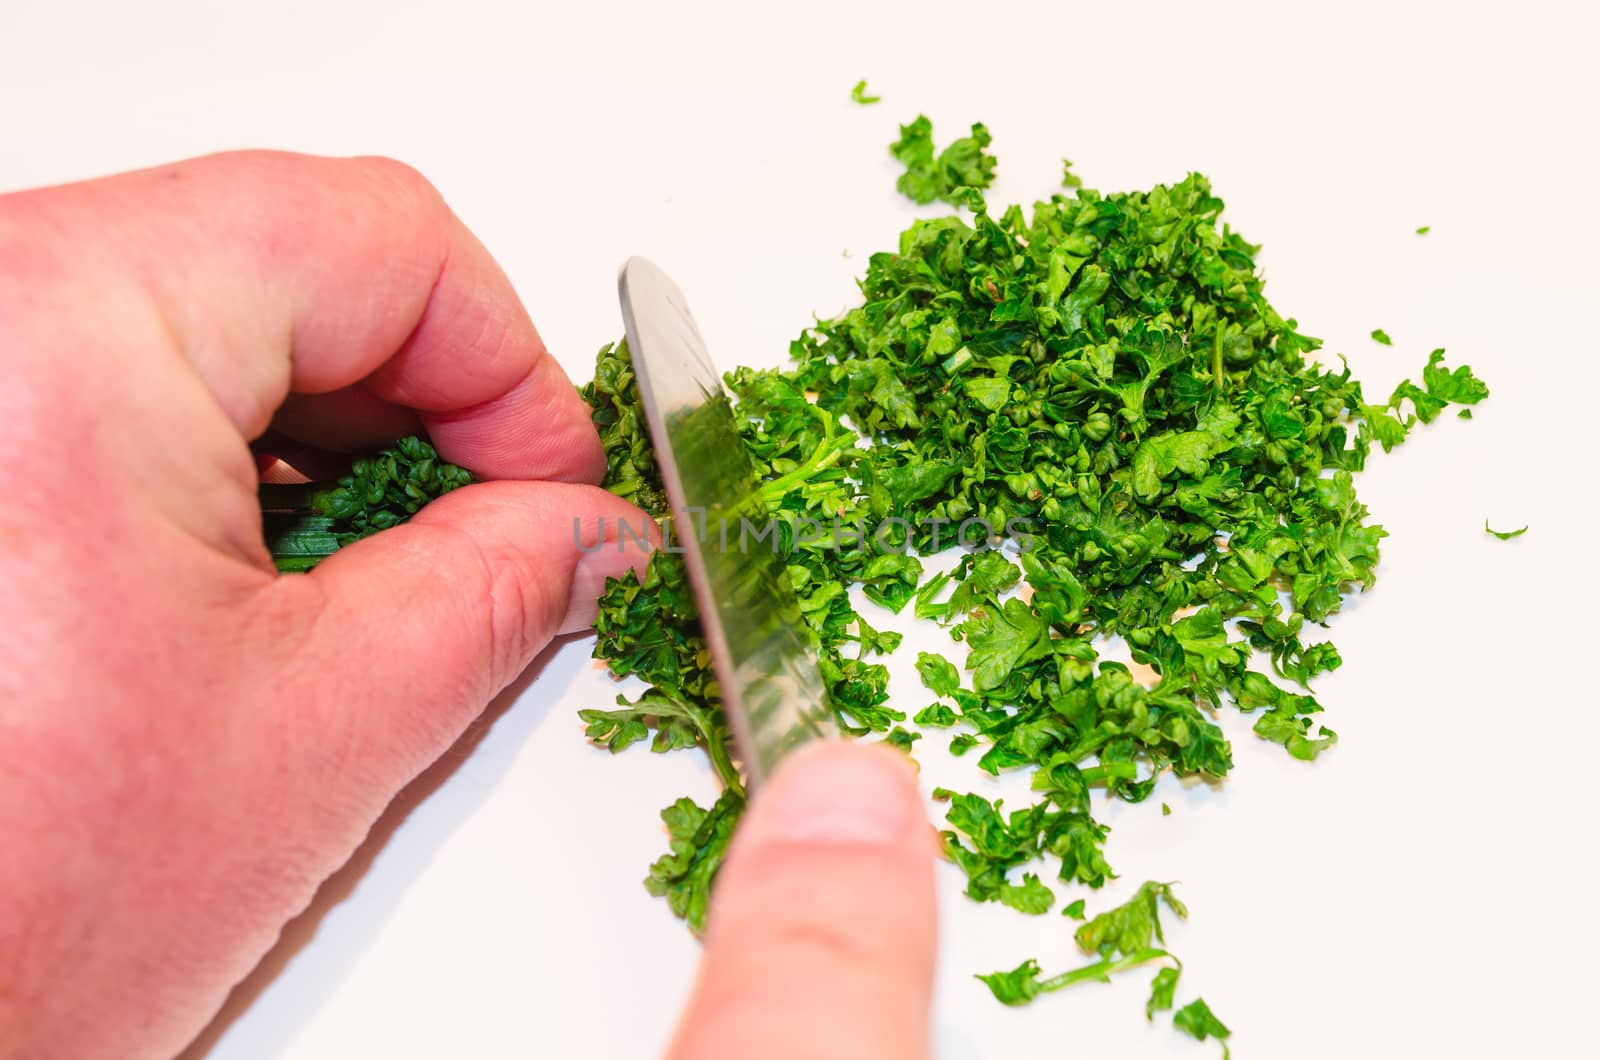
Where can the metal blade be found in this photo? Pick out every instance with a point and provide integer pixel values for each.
(771, 688)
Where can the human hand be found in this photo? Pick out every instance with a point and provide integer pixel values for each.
(190, 744)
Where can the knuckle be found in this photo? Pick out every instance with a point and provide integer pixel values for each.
(403, 183)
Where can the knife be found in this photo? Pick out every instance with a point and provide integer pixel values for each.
(761, 651)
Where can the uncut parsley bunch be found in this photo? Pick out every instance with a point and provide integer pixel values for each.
(1103, 389)
(305, 523)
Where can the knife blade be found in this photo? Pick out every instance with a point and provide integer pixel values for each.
(762, 654)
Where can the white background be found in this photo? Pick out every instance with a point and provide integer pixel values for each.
(1420, 892)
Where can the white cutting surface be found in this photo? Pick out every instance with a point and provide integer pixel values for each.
(1420, 892)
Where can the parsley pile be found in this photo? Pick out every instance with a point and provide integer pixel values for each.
(1103, 382)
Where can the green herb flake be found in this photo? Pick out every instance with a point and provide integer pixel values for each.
(1030, 896)
(1504, 535)
(955, 175)
(1162, 989)
(1382, 337)
(699, 842)
(902, 738)
(1074, 910)
(1197, 1020)
(1424, 230)
(859, 93)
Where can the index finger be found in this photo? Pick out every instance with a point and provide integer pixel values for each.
(279, 273)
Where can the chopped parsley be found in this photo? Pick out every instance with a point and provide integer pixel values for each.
(1100, 384)
(943, 175)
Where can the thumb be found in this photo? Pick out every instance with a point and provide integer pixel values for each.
(822, 934)
(408, 634)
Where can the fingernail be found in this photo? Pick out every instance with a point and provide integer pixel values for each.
(610, 557)
(837, 793)
(623, 547)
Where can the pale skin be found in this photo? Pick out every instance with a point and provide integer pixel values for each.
(190, 744)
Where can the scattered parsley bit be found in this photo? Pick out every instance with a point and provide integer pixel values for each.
(1197, 1019)
(1381, 336)
(1123, 937)
(1031, 896)
(1424, 230)
(1132, 926)
(1069, 179)
(936, 716)
(859, 93)
(699, 840)
(953, 175)
(1162, 989)
(1504, 535)
(1166, 811)
(902, 738)
(1074, 910)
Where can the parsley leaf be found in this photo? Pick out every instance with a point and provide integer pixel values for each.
(1162, 988)
(1381, 336)
(859, 93)
(938, 674)
(1123, 937)
(1504, 535)
(1133, 926)
(699, 842)
(962, 165)
(1030, 896)
(1197, 1019)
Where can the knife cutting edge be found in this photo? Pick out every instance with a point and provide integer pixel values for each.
(762, 654)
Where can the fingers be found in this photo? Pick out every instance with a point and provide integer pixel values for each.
(413, 630)
(822, 935)
(279, 273)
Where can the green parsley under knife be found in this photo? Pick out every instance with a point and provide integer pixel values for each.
(1109, 375)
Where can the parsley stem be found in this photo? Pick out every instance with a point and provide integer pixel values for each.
(717, 748)
(1101, 970)
(776, 489)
